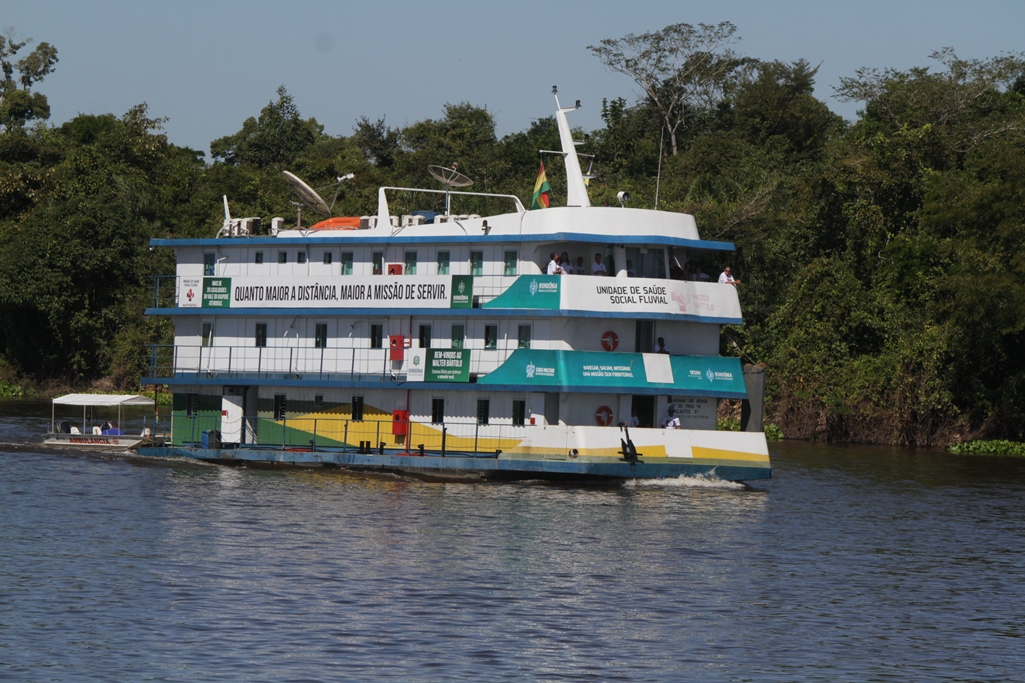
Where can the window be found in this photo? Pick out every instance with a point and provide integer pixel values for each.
(377, 336)
(519, 413)
(300, 257)
(523, 337)
(327, 258)
(209, 264)
(280, 406)
(208, 333)
(320, 336)
(425, 336)
(282, 257)
(410, 268)
(476, 263)
(378, 261)
(191, 404)
(357, 408)
(261, 335)
(258, 257)
(443, 259)
(483, 411)
(491, 336)
(438, 411)
(458, 335)
(346, 263)
(510, 262)
(318, 401)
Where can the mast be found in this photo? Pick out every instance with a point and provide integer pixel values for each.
(576, 191)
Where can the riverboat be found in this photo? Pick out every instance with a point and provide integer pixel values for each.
(437, 345)
(96, 431)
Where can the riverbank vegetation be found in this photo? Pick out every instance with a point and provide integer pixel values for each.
(884, 282)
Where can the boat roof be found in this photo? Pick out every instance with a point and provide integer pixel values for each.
(103, 400)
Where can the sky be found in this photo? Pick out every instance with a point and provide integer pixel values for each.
(208, 65)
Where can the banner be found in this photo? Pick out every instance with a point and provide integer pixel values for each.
(686, 375)
(438, 365)
(375, 291)
(700, 300)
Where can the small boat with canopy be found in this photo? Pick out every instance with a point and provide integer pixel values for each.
(101, 425)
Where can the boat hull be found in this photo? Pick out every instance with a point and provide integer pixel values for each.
(477, 468)
(95, 441)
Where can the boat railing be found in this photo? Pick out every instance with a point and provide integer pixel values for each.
(380, 434)
(165, 291)
(168, 361)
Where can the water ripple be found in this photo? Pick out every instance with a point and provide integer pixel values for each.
(850, 565)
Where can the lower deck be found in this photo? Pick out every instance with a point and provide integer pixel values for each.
(479, 467)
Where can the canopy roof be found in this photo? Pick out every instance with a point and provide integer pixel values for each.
(103, 400)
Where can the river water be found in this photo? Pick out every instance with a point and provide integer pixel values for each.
(851, 564)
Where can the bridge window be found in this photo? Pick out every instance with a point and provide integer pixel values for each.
(519, 413)
(511, 257)
(523, 337)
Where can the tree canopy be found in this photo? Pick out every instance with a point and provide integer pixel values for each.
(884, 281)
(18, 103)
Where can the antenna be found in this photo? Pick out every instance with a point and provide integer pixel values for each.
(449, 177)
(341, 179)
(308, 195)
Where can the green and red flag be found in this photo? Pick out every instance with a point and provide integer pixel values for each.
(541, 190)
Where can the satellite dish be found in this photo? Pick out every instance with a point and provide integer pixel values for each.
(307, 193)
(450, 178)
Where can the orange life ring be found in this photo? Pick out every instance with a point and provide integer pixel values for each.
(604, 416)
(610, 340)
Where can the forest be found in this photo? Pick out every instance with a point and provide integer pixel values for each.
(881, 259)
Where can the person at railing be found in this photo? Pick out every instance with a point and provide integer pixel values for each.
(726, 277)
(672, 422)
(564, 263)
(598, 268)
(553, 265)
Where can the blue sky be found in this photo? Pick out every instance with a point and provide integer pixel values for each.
(207, 65)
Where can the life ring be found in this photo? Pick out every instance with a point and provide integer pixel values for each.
(610, 340)
(604, 416)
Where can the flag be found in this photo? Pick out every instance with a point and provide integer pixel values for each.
(541, 190)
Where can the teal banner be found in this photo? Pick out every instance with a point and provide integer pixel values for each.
(700, 375)
(530, 291)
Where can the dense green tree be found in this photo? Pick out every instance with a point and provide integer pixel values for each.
(18, 104)
(680, 68)
(74, 262)
(278, 136)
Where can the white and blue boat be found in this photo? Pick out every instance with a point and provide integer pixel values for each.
(439, 346)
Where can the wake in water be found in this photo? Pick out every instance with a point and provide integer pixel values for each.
(709, 481)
